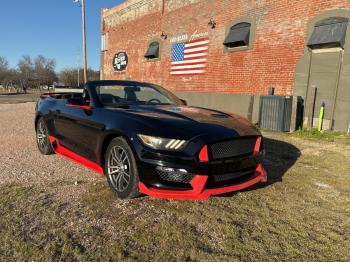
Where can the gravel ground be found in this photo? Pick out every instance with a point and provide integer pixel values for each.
(21, 162)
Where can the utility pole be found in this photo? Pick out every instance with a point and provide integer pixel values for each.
(84, 38)
(82, 5)
(78, 77)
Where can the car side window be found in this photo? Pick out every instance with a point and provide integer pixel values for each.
(147, 94)
(133, 94)
(111, 95)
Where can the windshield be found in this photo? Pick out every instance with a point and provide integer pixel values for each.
(140, 94)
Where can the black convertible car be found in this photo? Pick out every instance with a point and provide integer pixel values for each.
(146, 140)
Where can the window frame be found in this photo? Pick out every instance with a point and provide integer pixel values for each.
(251, 34)
(104, 42)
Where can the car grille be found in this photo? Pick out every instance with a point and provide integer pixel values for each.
(175, 176)
(233, 148)
(230, 178)
(235, 166)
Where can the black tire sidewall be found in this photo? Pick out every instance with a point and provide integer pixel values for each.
(132, 190)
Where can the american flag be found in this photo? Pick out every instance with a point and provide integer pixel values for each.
(189, 58)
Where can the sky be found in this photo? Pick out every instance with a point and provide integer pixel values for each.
(51, 28)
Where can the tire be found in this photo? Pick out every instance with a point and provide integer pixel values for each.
(121, 169)
(42, 138)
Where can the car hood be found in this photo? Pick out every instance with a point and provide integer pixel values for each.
(188, 122)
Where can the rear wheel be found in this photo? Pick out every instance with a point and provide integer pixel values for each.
(121, 169)
(42, 138)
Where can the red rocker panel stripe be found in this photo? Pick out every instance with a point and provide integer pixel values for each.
(80, 106)
(59, 149)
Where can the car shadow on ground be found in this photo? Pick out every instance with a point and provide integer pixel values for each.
(280, 157)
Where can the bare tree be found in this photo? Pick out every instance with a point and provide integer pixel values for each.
(70, 76)
(93, 75)
(3, 69)
(12, 79)
(44, 71)
(9, 78)
(3, 63)
(26, 71)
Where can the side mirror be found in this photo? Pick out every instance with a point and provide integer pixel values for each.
(184, 102)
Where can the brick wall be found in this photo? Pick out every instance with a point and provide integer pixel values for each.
(279, 41)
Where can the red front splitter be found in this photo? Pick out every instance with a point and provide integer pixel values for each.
(199, 192)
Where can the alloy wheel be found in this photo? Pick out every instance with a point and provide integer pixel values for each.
(118, 168)
(42, 135)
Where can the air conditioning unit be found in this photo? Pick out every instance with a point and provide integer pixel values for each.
(275, 113)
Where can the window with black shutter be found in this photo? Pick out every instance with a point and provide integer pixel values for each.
(328, 33)
(153, 50)
(238, 35)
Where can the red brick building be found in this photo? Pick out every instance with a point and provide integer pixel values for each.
(245, 49)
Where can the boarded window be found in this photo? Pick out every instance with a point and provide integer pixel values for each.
(152, 51)
(239, 35)
(329, 33)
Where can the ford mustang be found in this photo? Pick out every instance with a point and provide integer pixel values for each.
(145, 140)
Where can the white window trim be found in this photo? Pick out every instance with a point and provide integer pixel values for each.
(104, 42)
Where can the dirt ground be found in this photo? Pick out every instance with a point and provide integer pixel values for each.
(54, 210)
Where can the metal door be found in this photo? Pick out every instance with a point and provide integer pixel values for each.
(324, 76)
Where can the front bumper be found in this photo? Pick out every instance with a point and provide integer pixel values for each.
(208, 176)
(199, 191)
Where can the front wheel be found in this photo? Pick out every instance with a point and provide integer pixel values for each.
(121, 169)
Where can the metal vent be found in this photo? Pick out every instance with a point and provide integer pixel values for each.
(275, 113)
(233, 148)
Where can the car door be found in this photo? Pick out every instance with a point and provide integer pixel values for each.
(80, 129)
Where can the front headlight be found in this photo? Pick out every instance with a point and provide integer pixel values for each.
(163, 143)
